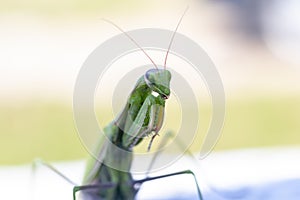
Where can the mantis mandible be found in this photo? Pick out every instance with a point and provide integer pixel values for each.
(142, 116)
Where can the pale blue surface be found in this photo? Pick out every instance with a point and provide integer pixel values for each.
(281, 190)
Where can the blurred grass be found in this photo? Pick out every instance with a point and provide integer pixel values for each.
(261, 122)
(47, 130)
(37, 129)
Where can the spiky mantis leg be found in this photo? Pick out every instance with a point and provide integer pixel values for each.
(172, 174)
(37, 162)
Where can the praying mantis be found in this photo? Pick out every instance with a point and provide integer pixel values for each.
(142, 116)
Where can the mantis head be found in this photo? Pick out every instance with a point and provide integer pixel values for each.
(158, 80)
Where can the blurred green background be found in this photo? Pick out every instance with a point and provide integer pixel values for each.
(44, 43)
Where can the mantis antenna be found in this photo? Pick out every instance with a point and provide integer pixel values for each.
(174, 33)
(115, 25)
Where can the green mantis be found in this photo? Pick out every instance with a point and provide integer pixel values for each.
(142, 116)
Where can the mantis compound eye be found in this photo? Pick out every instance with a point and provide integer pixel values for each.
(148, 78)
